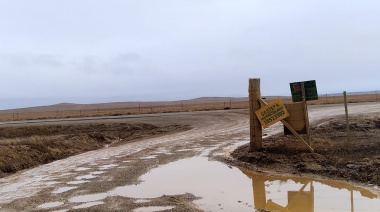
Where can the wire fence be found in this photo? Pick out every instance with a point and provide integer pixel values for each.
(61, 112)
(15, 115)
(353, 97)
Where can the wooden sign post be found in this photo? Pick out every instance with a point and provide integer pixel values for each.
(267, 116)
(346, 110)
(306, 112)
(303, 92)
(256, 133)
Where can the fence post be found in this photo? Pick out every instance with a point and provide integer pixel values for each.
(256, 134)
(346, 109)
(306, 113)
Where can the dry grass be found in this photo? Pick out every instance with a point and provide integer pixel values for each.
(22, 147)
(157, 108)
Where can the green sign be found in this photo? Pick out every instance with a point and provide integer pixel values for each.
(310, 90)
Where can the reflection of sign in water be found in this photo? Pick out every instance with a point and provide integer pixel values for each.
(310, 91)
(301, 200)
(306, 194)
(275, 111)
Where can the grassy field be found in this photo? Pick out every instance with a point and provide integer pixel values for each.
(117, 109)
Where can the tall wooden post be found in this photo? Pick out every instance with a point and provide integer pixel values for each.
(256, 133)
(346, 110)
(306, 112)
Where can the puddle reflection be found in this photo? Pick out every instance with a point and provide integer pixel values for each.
(224, 188)
(283, 194)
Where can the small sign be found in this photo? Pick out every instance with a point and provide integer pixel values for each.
(310, 91)
(275, 111)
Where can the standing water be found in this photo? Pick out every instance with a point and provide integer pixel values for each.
(224, 188)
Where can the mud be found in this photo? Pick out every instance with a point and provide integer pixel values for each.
(94, 175)
(23, 147)
(356, 160)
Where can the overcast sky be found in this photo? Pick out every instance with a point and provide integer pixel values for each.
(89, 51)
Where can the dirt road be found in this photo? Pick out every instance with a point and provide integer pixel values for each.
(97, 180)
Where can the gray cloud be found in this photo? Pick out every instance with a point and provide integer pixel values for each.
(173, 49)
(30, 60)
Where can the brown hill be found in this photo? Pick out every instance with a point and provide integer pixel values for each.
(126, 105)
(118, 105)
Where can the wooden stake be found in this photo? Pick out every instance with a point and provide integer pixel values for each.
(306, 112)
(256, 133)
(347, 122)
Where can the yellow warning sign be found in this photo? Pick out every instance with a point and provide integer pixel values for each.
(275, 111)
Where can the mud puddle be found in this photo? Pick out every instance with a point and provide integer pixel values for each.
(221, 187)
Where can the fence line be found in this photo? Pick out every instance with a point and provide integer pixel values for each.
(181, 107)
(141, 109)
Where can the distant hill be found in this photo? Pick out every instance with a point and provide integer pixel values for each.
(118, 105)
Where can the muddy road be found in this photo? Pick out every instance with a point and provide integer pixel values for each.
(174, 172)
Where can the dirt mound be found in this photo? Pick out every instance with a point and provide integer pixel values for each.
(355, 160)
(24, 147)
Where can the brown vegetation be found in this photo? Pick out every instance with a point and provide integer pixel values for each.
(28, 146)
